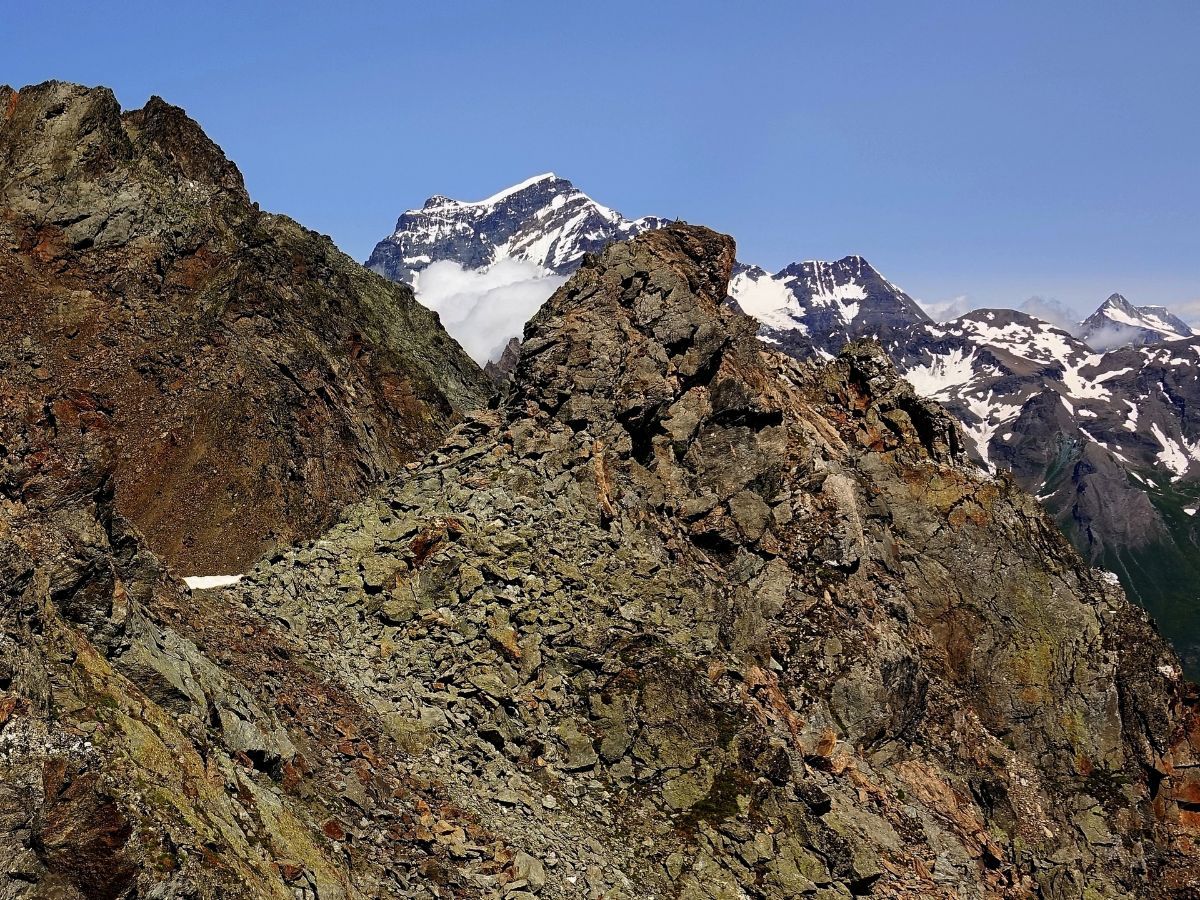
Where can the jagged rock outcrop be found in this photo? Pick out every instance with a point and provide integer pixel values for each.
(1114, 463)
(502, 369)
(256, 378)
(683, 617)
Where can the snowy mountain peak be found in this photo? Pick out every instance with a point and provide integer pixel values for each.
(545, 221)
(1118, 322)
(441, 201)
(487, 265)
(848, 266)
(815, 307)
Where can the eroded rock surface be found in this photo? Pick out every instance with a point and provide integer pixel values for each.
(256, 378)
(682, 618)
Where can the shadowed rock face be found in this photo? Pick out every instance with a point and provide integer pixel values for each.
(255, 378)
(684, 617)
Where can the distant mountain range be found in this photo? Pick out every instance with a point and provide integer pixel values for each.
(1101, 424)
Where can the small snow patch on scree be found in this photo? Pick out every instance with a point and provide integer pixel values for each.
(204, 582)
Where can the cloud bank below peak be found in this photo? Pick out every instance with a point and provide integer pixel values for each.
(483, 308)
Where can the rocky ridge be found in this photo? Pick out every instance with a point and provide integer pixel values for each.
(255, 379)
(1106, 440)
(683, 617)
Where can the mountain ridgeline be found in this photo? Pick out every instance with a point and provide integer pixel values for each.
(682, 617)
(1101, 427)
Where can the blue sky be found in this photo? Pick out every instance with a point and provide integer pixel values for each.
(994, 150)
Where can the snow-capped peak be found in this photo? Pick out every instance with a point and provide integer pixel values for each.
(487, 265)
(816, 306)
(544, 220)
(1118, 322)
(442, 202)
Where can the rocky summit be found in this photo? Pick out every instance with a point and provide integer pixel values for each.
(253, 378)
(1105, 435)
(680, 617)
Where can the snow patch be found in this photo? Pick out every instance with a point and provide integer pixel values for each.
(992, 415)
(767, 299)
(207, 582)
(1132, 418)
(1175, 455)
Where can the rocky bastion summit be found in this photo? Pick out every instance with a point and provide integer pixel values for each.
(677, 615)
(1097, 419)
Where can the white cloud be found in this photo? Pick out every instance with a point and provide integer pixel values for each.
(1188, 310)
(946, 310)
(483, 308)
(1108, 338)
(1053, 311)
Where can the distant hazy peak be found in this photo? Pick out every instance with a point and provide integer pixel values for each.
(1117, 322)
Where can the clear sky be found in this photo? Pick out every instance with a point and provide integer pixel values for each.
(996, 150)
